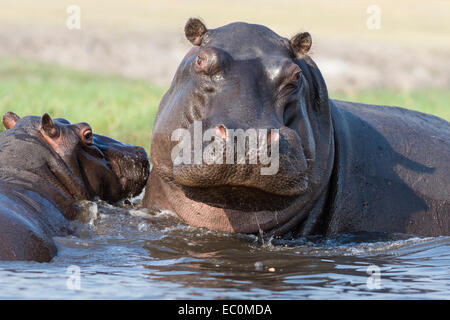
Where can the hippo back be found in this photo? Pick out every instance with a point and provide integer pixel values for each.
(393, 170)
(28, 222)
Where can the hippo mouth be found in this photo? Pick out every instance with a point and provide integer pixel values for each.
(241, 198)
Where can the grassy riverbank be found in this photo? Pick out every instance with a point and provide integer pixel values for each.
(125, 109)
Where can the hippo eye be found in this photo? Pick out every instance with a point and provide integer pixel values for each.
(87, 137)
(291, 80)
(295, 77)
(293, 83)
(201, 64)
(199, 60)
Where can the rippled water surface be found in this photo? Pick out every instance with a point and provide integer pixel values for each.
(130, 253)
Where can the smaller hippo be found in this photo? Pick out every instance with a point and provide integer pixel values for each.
(46, 166)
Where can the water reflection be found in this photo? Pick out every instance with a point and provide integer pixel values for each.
(129, 252)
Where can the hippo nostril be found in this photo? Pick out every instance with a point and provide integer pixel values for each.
(273, 136)
(123, 182)
(221, 131)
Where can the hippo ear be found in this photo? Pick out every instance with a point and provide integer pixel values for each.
(301, 43)
(10, 119)
(194, 31)
(48, 126)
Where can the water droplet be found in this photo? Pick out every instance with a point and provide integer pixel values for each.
(259, 266)
(142, 226)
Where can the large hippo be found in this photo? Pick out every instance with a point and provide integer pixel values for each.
(343, 167)
(46, 165)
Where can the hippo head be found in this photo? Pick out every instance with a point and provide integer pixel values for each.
(243, 78)
(71, 158)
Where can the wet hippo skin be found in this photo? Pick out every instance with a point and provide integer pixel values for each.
(343, 167)
(47, 165)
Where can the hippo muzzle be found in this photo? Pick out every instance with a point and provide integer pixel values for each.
(255, 169)
(128, 163)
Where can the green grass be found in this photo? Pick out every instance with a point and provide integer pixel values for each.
(121, 108)
(125, 109)
(434, 101)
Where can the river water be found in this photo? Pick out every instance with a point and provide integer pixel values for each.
(124, 252)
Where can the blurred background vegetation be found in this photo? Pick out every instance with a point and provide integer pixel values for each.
(113, 71)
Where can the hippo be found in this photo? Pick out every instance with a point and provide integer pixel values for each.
(46, 167)
(343, 167)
